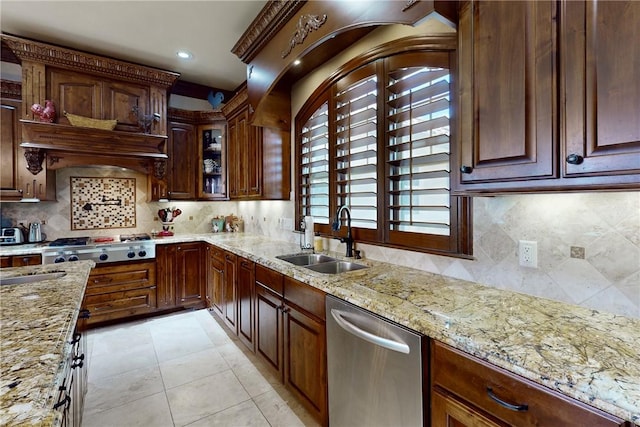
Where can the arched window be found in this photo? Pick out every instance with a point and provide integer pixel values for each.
(379, 139)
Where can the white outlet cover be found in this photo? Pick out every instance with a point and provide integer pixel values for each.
(528, 253)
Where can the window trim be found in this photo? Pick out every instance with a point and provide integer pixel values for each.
(459, 241)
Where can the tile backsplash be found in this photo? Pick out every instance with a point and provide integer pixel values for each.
(605, 227)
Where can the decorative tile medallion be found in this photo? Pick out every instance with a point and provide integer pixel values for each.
(103, 203)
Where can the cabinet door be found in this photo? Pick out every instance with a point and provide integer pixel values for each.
(120, 100)
(212, 167)
(190, 277)
(448, 412)
(10, 138)
(181, 150)
(269, 332)
(166, 269)
(245, 297)
(75, 93)
(305, 360)
(508, 91)
(229, 292)
(601, 60)
(215, 279)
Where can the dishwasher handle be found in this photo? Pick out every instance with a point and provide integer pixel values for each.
(400, 347)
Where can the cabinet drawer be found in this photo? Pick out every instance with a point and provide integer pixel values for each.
(306, 297)
(270, 279)
(217, 253)
(121, 278)
(474, 380)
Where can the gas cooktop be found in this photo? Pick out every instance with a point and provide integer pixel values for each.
(128, 247)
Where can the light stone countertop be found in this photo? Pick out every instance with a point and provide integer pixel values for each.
(37, 322)
(589, 355)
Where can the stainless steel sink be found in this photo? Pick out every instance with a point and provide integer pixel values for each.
(335, 267)
(306, 259)
(31, 278)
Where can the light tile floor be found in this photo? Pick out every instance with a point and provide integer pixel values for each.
(182, 369)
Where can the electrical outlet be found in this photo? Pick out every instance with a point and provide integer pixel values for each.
(528, 253)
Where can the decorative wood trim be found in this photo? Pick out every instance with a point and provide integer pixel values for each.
(29, 50)
(195, 117)
(159, 168)
(269, 21)
(238, 101)
(11, 89)
(306, 24)
(409, 5)
(34, 157)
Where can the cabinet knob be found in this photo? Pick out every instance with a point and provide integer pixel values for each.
(575, 159)
(466, 169)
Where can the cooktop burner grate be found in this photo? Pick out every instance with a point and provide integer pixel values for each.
(70, 241)
(134, 237)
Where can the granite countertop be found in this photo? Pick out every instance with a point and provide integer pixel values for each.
(37, 322)
(591, 356)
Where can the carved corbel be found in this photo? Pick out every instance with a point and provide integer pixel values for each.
(35, 157)
(159, 168)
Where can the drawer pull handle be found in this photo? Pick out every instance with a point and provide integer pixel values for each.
(519, 408)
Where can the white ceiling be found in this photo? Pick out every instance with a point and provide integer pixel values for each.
(146, 32)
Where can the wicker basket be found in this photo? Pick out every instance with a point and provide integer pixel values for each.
(88, 122)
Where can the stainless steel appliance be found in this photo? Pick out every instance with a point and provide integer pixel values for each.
(133, 247)
(35, 232)
(375, 369)
(11, 236)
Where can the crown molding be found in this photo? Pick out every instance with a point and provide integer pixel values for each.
(269, 21)
(34, 51)
(195, 117)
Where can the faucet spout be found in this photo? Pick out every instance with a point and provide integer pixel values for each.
(336, 226)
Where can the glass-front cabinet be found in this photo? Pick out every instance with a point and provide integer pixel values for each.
(212, 175)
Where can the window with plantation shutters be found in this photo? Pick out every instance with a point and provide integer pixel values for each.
(417, 139)
(314, 166)
(355, 150)
(378, 139)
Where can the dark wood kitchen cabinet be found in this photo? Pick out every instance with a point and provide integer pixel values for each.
(245, 296)
(549, 96)
(20, 260)
(269, 302)
(507, 84)
(215, 279)
(119, 291)
(10, 138)
(258, 157)
(467, 391)
(181, 149)
(291, 336)
(190, 275)
(229, 289)
(181, 278)
(601, 59)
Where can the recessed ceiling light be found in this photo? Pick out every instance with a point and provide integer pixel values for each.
(184, 54)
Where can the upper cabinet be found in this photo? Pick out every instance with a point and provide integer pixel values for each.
(601, 59)
(531, 122)
(197, 166)
(258, 157)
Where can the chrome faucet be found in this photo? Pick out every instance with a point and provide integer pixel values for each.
(336, 226)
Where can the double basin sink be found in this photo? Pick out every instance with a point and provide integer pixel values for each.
(321, 263)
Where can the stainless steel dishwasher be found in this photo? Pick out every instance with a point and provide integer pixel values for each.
(375, 369)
